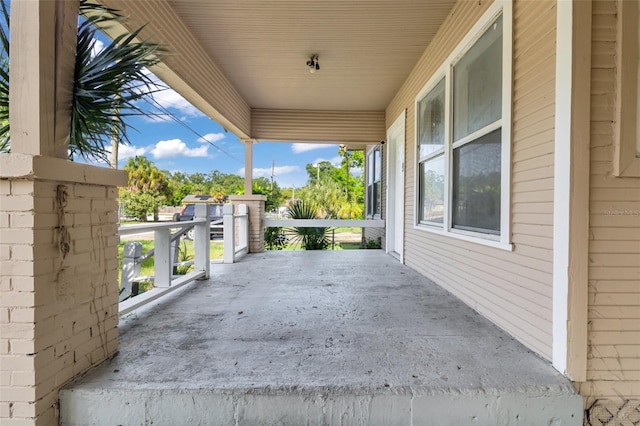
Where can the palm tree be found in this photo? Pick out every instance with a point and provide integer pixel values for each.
(309, 238)
(107, 84)
(4, 80)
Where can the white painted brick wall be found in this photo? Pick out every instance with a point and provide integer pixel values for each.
(5, 378)
(5, 187)
(57, 317)
(4, 346)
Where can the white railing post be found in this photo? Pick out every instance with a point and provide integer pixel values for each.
(243, 226)
(130, 268)
(175, 255)
(202, 240)
(229, 234)
(162, 254)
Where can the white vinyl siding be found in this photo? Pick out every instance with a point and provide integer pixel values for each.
(314, 126)
(511, 288)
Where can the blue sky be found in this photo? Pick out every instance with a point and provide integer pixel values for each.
(181, 146)
(174, 147)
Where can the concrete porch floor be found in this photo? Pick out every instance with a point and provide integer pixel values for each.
(292, 338)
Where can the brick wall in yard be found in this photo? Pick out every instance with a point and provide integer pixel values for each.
(59, 292)
(256, 206)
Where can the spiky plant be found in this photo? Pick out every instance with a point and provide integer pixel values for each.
(184, 256)
(315, 238)
(107, 84)
(4, 79)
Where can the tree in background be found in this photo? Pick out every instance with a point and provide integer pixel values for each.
(319, 172)
(179, 187)
(218, 185)
(271, 190)
(353, 184)
(225, 184)
(147, 189)
(337, 193)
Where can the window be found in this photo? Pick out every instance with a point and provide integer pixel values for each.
(374, 173)
(431, 152)
(627, 149)
(461, 139)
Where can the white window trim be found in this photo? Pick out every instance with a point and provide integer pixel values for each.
(398, 127)
(503, 241)
(368, 152)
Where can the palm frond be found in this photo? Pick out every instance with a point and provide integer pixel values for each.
(315, 238)
(107, 84)
(5, 144)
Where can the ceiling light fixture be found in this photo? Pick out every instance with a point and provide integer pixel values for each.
(313, 64)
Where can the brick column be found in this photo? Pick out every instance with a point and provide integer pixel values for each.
(256, 205)
(59, 281)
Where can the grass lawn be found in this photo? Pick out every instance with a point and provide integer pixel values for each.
(349, 246)
(352, 229)
(338, 246)
(146, 268)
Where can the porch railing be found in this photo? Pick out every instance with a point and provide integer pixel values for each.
(231, 249)
(326, 223)
(323, 223)
(166, 240)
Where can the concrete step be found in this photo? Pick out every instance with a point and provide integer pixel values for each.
(321, 406)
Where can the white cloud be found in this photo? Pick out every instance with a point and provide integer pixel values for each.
(266, 172)
(177, 148)
(157, 118)
(98, 46)
(169, 98)
(298, 148)
(126, 151)
(211, 137)
(335, 161)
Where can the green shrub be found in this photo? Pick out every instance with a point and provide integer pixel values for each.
(373, 244)
(274, 238)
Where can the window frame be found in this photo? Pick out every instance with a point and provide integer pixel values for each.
(371, 182)
(626, 159)
(445, 71)
(435, 154)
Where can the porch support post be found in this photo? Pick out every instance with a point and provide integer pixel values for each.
(248, 166)
(571, 188)
(43, 40)
(58, 227)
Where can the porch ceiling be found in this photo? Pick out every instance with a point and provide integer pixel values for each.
(366, 50)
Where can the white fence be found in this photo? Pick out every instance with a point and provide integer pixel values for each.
(323, 223)
(166, 238)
